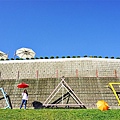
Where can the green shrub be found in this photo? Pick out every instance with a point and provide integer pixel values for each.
(73, 56)
(41, 57)
(91, 56)
(68, 56)
(57, 56)
(46, 58)
(85, 55)
(52, 57)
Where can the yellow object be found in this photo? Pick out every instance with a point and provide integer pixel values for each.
(102, 105)
(114, 91)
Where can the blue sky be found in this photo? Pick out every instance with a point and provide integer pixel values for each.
(61, 27)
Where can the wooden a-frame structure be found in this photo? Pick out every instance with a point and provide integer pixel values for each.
(60, 101)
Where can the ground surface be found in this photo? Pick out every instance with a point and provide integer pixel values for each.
(59, 114)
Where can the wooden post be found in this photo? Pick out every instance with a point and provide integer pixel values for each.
(56, 73)
(0, 75)
(37, 74)
(115, 73)
(96, 73)
(76, 72)
(18, 75)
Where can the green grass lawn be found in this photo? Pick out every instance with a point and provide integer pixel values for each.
(59, 114)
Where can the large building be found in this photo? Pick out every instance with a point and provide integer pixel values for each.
(89, 78)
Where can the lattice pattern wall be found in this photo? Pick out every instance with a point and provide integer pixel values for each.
(88, 89)
(55, 68)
